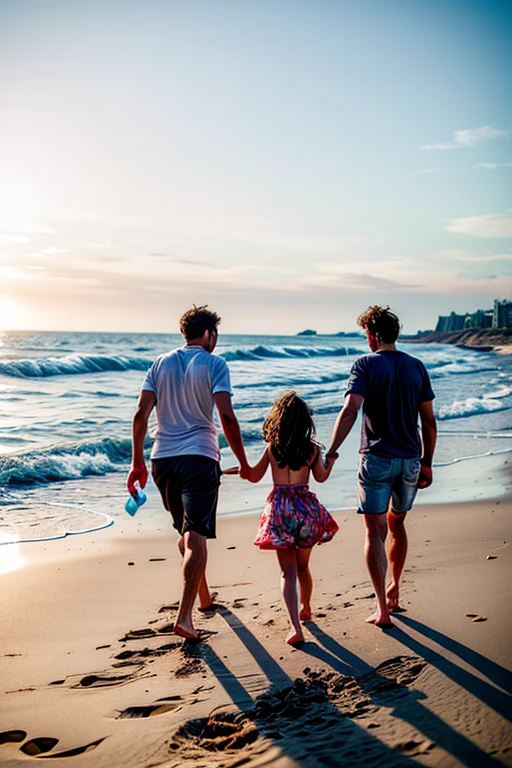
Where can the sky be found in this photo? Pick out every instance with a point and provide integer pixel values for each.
(288, 163)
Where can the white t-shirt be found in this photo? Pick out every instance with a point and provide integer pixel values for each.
(184, 382)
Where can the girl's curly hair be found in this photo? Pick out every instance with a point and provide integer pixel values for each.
(290, 430)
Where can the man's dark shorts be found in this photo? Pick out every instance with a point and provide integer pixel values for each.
(189, 487)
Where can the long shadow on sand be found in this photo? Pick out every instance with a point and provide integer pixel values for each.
(267, 664)
(411, 710)
(487, 693)
(321, 735)
(495, 672)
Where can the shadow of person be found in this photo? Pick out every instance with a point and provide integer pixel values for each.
(499, 675)
(270, 668)
(410, 709)
(487, 693)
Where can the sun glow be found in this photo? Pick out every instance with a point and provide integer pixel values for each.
(11, 556)
(11, 315)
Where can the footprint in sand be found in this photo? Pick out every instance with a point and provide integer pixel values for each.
(160, 707)
(12, 736)
(136, 634)
(103, 679)
(412, 747)
(144, 653)
(168, 607)
(100, 681)
(42, 745)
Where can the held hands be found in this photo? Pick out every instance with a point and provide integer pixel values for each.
(245, 471)
(138, 474)
(250, 473)
(330, 458)
(425, 478)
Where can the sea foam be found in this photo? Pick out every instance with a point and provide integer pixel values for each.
(71, 365)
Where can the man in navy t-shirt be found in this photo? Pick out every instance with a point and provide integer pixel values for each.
(394, 390)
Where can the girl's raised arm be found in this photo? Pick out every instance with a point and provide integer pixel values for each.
(320, 470)
(256, 473)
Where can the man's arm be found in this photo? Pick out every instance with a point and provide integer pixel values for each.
(231, 429)
(345, 421)
(139, 472)
(429, 434)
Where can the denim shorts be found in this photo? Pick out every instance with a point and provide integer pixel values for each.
(189, 487)
(382, 479)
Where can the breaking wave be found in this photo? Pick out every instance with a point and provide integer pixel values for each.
(71, 365)
(264, 353)
(471, 406)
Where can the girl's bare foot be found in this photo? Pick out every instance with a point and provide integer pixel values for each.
(305, 614)
(380, 619)
(294, 637)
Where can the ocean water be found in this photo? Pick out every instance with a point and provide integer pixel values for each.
(67, 401)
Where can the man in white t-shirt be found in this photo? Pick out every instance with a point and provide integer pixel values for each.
(184, 385)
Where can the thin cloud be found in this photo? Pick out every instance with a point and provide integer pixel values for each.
(468, 138)
(8, 238)
(363, 281)
(492, 166)
(179, 260)
(469, 256)
(491, 225)
(441, 146)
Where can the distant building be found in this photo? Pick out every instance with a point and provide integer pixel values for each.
(502, 314)
(452, 322)
(499, 317)
(482, 318)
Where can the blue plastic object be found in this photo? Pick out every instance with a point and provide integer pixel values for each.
(135, 502)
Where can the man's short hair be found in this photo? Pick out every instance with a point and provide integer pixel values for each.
(380, 321)
(198, 320)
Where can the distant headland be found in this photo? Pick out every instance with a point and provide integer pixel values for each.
(311, 332)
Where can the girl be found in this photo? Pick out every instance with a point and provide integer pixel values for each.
(293, 519)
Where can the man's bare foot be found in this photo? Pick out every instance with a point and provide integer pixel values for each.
(381, 620)
(209, 609)
(392, 600)
(294, 637)
(185, 630)
(305, 614)
(206, 598)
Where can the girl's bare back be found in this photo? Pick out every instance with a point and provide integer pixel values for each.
(287, 476)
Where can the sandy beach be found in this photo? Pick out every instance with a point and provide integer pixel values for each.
(92, 673)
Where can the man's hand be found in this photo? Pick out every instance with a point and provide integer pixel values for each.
(231, 471)
(330, 458)
(138, 474)
(245, 472)
(253, 475)
(425, 478)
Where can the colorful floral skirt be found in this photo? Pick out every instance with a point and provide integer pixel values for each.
(294, 517)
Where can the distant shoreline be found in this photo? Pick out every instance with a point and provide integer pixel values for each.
(480, 340)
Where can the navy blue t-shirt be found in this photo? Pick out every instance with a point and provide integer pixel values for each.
(393, 385)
